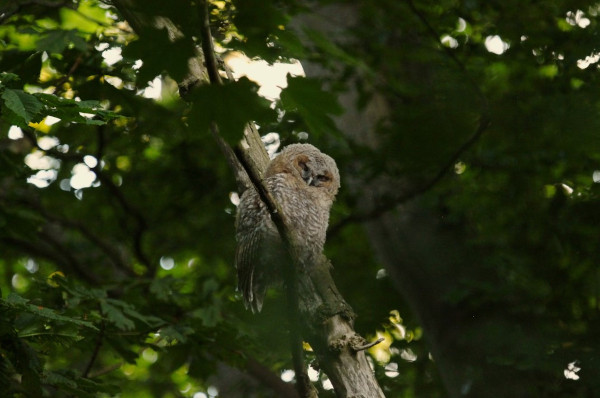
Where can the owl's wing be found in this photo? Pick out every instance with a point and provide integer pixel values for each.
(247, 259)
(255, 235)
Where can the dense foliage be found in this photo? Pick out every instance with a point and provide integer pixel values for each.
(117, 227)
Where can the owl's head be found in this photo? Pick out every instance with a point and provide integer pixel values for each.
(308, 164)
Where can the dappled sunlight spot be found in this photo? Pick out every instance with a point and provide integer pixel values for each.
(272, 142)
(212, 391)
(461, 25)
(288, 375)
(496, 45)
(234, 198)
(129, 370)
(37, 160)
(167, 263)
(43, 178)
(596, 176)
(32, 266)
(102, 46)
(82, 176)
(112, 55)
(571, 371)
(408, 355)
(391, 370)
(459, 167)
(381, 273)
(19, 282)
(186, 388)
(401, 331)
(578, 18)
(15, 133)
(200, 395)
(137, 64)
(326, 383)
(153, 90)
(114, 81)
(449, 41)
(150, 355)
(48, 142)
(567, 189)
(313, 374)
(90, 161)
(302, 135)
(50, 120)
(65, 184)
(270, 78)
(589, 60)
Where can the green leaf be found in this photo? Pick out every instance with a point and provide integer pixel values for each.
(24, 105)
(116, 315)
(71, 111)
(7, 77)
(231, 106)
(56, 41)
(152, 48)
(313, 104)
(14, 301)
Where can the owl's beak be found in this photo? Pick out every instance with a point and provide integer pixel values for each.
(309, 180)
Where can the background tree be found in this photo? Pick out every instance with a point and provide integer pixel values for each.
(465, 232)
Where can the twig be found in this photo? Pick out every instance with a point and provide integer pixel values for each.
(72, 70)
(368, 345)
(99, 341)
(106, 247)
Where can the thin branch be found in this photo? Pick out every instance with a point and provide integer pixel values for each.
(66, 77)
(207, 44)
(99, 342)
(103, 371)
(484, 121)
(368, 345)
(104, 246)
(52, 250)
(391, 203)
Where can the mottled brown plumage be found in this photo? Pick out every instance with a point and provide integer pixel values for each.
(304, 181)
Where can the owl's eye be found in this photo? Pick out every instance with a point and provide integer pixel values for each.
(323, 178)
(303, 166)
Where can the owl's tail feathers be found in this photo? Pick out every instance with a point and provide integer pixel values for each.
(253, 292)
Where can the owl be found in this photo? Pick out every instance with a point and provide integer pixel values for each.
(304, 181)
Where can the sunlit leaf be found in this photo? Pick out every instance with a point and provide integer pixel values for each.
(24, 105)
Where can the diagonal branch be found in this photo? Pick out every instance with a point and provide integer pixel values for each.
(237, 159)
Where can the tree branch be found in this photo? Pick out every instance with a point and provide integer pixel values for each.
(484, 121)
(302, 381)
